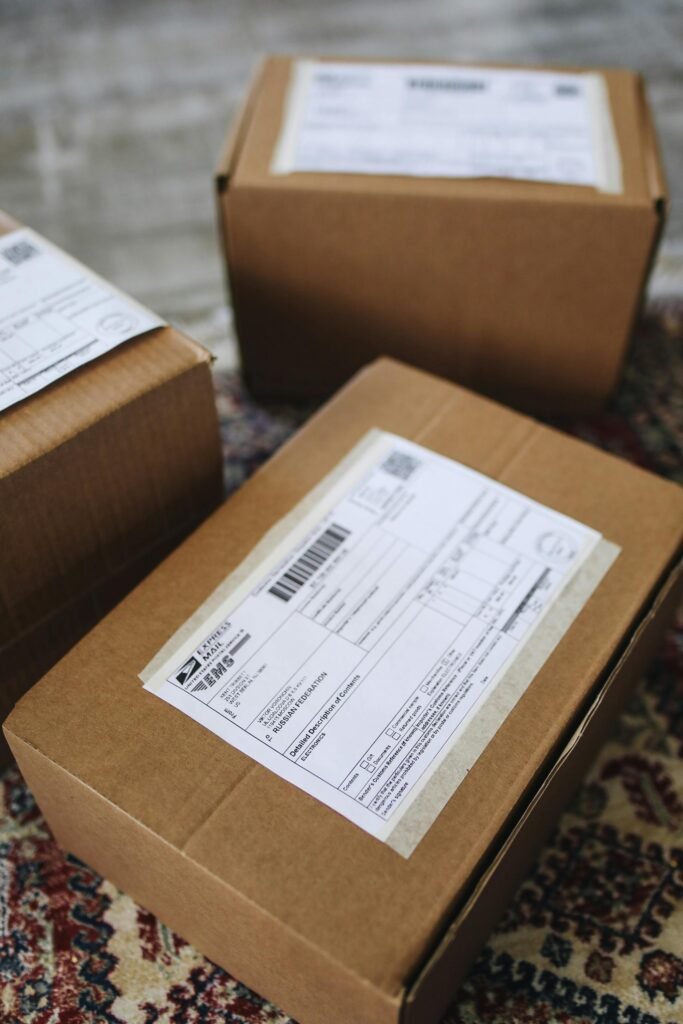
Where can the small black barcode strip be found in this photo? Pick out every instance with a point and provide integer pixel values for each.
(311, 560)
(449, 84)
(240, 643)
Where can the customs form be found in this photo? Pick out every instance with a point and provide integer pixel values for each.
(349, 654)
(443, 121)
(55, 315)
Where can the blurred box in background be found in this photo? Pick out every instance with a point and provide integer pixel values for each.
(369, 208)
(101, 472)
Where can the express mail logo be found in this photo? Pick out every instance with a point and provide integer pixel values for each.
(188, 670)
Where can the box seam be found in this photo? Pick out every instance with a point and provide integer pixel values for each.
(240, 896)
(232, 147)
(223, 798)
(617, 202)
(654, 165)
(124, 404)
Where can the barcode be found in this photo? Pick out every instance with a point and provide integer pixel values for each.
(240, 643)
(450, 84)
(19, 252)
(311, 560)
(525, 600)
(401, 465)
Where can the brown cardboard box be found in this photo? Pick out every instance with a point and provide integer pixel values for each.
(525, 291)
(289, 896)
(100, 475)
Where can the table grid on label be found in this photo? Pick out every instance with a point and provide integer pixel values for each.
(55, 315)
(445, 121)
(368, 627)
(42, 339)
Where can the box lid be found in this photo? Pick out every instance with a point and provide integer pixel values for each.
(293, 859)
(70, 405)
(249, 150)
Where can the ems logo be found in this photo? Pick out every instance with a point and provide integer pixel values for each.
(189, 669)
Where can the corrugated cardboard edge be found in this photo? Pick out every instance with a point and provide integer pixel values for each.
(225, 168)
(238, 128)
(428, 995)
(203, 360)
(654, 165)
(654, 169)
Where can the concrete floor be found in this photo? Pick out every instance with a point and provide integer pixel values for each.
(112, 113)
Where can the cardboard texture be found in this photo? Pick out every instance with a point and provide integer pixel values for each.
(525, 291)
(100, 474)
(293, 899)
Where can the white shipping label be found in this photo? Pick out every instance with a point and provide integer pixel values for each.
(55, 315)
(351, 650)
(449, 122)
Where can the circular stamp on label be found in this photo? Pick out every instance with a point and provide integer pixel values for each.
(117, 323)
(556, 547)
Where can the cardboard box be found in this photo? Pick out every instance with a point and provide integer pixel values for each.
(101, 474)
(522, 290)
(293, 899)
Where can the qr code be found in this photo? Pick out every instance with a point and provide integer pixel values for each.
(400, 465)
(19, 252)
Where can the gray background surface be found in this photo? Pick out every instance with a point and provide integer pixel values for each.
(112, 113)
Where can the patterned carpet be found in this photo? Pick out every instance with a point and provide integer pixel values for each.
(595, 934)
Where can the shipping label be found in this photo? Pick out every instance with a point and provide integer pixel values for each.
(438, 121)
(55, 315)
(354, 648)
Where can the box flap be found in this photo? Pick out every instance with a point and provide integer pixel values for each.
(231, 148)
(652, 154)
(364, 905)
(251, 159)
(59, 412)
